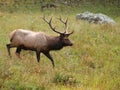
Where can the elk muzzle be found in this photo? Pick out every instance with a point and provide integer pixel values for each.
(71, 44)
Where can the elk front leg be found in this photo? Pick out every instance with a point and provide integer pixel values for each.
(38, 55)
(50, 57)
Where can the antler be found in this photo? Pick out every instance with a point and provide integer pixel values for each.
(66, 24)
(49, 22)
(70, 33)
(53, 28)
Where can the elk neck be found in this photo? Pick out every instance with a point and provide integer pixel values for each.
(54, 43)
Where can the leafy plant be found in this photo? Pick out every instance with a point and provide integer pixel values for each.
(64, 79)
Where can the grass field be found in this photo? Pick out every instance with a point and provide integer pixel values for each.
(92, 63)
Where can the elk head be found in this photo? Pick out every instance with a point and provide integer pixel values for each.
(63, 36)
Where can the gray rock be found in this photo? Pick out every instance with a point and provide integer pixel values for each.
(95, 18)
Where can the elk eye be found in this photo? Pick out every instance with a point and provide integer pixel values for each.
(65, 39)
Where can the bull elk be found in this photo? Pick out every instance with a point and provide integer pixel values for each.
(39, 41)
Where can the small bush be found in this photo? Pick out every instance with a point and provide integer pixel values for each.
(64, 79)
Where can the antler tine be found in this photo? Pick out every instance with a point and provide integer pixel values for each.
(70, 33)
(53, 28)
(66, 30)
(65, 22)
(50, 20)
(45, 19)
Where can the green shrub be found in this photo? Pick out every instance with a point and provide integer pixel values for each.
(64, 79)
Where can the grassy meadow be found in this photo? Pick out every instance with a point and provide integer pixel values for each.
(92, 63)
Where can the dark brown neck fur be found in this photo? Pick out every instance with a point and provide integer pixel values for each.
(54, 43)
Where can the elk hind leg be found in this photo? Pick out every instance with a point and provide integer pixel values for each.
(18, 50)
(8, 48)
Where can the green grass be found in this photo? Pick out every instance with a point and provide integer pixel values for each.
(93, 63)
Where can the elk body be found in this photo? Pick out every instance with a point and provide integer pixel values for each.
(38, 41)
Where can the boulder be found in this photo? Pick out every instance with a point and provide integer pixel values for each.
(95, 18)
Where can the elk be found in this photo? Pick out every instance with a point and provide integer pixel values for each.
(39, 42)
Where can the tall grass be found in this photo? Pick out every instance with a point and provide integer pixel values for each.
(93, 63)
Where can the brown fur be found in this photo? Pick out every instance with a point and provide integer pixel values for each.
(37, 41)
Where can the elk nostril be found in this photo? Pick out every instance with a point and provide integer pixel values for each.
(71, 44)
